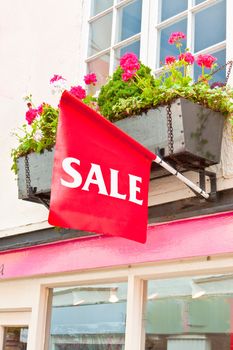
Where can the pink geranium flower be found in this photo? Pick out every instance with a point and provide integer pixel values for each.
(170, 59)
(40, 108)
(187, 57)
(206, 61)
(129, 62)
(176, 36)
(90, 79)
(31, 114)
(56, 78)
(78, 92)
(130, 65)
(127, 75)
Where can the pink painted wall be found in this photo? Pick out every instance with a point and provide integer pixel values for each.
(194, 237)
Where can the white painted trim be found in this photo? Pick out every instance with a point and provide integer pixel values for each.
(134, 313)
(101, 14)
(11, 231)
(229, 35)
(14, 318)
(37, 329)
(145, 25)
(1, 337)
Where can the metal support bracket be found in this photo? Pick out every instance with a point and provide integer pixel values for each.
(213, 183)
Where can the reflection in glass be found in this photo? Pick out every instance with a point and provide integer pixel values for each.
(198, 1)
(100, 34)
(165, 48)
(215, 31)
(133, 47)
(89, 317)
(220, 75)
(171, 8)
(176, 320)
(15, 338)
(100, 66)
(129, 20)
(100, 5)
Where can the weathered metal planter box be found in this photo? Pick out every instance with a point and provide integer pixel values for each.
(196, 131)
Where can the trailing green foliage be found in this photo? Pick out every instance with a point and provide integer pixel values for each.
(119, 99)
(118, 91)
(39, 136)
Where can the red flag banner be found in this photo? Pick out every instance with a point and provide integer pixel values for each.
(100, 175)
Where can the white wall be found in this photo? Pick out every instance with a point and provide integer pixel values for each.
(37, 39)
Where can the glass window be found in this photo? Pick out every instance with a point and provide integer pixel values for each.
(190, 313)
(133, 47)
(15, 338)
(100, 34)
(165, 48)
(198, 2)
(89, 317)
(129, 20)
(219, 76)
(100, 5)
(100, 66)
(171, 8)
(210, 26)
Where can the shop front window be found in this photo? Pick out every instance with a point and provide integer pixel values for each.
(15, 338)
(190, 313)
(88, 317)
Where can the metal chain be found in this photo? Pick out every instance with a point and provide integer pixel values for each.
(28, 177)
(170, 130)
(229, 63)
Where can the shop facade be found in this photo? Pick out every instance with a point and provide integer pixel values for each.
(68, 291)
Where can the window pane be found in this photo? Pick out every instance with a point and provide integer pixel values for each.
(165, 48)
(89, 317)
(15, 338)
(219, 76)
(171, 8)
(134, 47)
(190, 313)
(210, 26)
(100, 5)
(129, 20)
(198, 2)
(100, 34)
(100, 66)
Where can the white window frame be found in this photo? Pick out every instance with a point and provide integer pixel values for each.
(156, 26)
(150, 27)
(114, 44)
(137, 277)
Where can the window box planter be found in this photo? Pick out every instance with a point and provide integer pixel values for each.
(197, 136)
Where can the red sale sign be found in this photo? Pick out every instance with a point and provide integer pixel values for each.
(100, 175)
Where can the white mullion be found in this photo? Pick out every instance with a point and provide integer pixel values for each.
(123, 3)
(190, 32)
(113, 38)
(172, 20)
(212, 49)
(145, 25)
(153, 37)
(204, 5)
(101, 14)
(229, 35)
(97, 55)
(134, 315)
(127, 41)
(190, 27)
